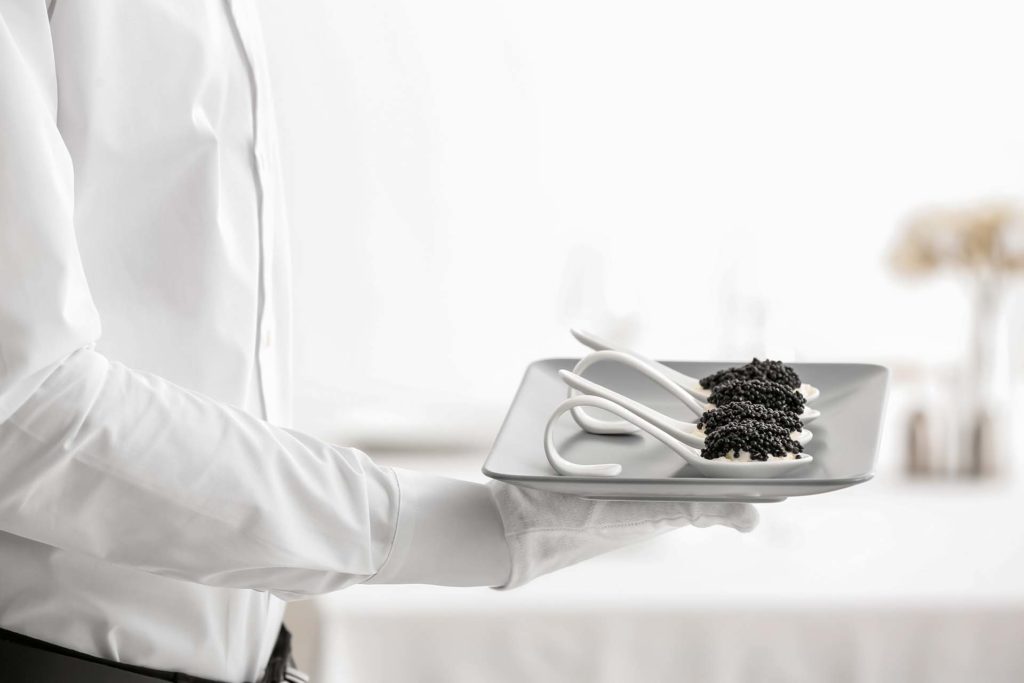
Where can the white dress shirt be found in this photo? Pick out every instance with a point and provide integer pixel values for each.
(154, 507)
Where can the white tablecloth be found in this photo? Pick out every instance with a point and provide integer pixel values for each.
(890, 581)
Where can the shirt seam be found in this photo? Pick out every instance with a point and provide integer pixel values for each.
(400, 521)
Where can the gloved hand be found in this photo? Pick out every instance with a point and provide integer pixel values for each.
(546, 531)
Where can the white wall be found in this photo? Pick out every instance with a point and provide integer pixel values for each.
(703, 180)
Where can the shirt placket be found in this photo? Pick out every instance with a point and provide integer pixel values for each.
(250, 37)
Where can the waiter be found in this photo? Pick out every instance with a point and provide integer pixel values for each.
(155, 510)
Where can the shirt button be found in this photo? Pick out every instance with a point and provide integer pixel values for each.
(266, 340)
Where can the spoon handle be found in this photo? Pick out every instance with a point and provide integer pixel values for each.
(591, 388)
(566, 467)
(596, 425)
(594, 342)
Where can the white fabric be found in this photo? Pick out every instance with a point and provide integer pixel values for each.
(547, 531)
(154, 509)
(449, 533)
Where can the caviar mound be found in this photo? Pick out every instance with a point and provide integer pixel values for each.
(769, 394)
(745, 410)
(771, 370)
(761, 439)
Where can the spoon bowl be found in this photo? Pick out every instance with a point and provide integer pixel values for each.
(690, 384)
(687, 432)
(809, 392)
(653, 372)
(708, 468)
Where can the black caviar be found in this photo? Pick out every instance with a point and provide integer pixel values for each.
(760, 439)
(763, 392)
(745, 410)
(771, 370)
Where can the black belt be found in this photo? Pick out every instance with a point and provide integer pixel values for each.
(27, 660)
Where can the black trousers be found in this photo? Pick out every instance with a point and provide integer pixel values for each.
(27, 660)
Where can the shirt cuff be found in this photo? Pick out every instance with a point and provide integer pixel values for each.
(449, 533)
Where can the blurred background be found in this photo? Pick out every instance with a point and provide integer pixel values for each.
(809, 181)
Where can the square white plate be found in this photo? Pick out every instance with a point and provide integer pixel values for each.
(844, 447)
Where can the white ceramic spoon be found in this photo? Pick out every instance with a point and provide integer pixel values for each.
(709, 468)
(654, 372)
(691, 384)
(687, 432)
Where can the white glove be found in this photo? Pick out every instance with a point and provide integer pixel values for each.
(546, 531)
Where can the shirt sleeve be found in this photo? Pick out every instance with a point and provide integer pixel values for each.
(449, 532)
(125, 466)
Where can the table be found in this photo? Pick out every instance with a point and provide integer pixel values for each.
(893, 580)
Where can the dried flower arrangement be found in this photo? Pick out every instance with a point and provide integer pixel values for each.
(984, 241)
(987, 236)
